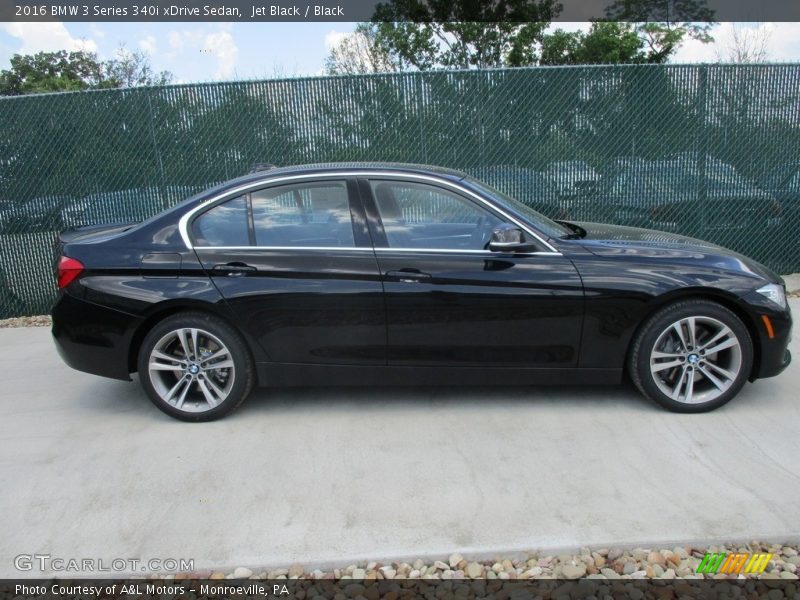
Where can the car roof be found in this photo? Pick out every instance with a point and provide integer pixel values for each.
(266, 174)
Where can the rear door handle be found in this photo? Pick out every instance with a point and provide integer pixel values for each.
(409, 275)
(233, 269)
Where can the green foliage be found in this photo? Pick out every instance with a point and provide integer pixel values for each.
(65, 71)
(463, 35)
(663, 25)
(60, 71)
(605, 43)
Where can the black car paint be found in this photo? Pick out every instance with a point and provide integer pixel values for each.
(314, 316)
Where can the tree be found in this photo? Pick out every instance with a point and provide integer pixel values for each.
(460, 34)
(746, 45)
(132, 69)
(360, 52)
(605, 43)
(463, 35)
(60, 71)
(65, 71)
(663, 25)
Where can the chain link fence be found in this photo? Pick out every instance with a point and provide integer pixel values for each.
(710, 151)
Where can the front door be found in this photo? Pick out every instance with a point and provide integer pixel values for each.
(295, 264)
(450, 301)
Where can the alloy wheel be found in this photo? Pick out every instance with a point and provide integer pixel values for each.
(191, 370)
(696, 360)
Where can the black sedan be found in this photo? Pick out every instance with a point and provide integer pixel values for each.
(376, 274)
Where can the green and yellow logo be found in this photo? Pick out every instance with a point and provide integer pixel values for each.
(732, 563)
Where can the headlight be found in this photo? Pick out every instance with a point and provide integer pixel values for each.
(774, 292)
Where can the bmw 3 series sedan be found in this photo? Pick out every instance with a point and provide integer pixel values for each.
(380, 274)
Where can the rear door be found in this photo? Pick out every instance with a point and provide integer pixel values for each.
(450, 301)
(295, 263)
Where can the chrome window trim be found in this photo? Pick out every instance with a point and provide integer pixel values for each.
(183, 224)
(457, 251)
(382, 250)
(315, 248)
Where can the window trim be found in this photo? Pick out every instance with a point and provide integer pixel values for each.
(186, 222)
(209, 203)
(378, 219)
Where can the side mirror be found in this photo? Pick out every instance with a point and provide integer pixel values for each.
(509, 238)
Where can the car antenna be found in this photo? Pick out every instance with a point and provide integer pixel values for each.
(260, 166)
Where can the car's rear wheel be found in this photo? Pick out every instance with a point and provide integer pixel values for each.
(195, 367)
(691, 356)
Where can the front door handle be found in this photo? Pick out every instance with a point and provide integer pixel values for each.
(234, 269)
(409, 275)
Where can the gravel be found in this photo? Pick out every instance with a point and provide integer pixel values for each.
(34, 321)
(603, 563)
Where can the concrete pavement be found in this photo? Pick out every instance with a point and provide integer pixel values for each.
(90, 469)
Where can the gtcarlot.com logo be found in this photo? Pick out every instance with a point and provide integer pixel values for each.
(47, 562)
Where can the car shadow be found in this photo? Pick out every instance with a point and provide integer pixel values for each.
(116, 397)
(394, 398)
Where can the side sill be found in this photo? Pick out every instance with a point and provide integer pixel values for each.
(299, 375)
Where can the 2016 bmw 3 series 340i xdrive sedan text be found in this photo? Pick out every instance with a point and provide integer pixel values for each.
(399, 274)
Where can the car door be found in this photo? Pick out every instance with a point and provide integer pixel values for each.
(294, 262)
(451, 301)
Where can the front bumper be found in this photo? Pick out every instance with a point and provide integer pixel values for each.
(773, 355)
(93, 338)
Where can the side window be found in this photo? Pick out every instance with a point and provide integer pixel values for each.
(223, 225)
(418, 215)
(306, 214)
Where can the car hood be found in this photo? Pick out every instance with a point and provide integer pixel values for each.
(617, 240)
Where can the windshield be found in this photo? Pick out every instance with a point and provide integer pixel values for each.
(545, 225)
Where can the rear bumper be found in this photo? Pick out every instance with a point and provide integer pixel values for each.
(93, 338)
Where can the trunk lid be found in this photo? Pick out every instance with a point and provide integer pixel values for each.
(90, 234)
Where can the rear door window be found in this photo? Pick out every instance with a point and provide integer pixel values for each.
(311, 214)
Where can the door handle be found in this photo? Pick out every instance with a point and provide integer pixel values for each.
(233, 269)
(409, 275)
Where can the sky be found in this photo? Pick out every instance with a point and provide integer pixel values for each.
(197, 52)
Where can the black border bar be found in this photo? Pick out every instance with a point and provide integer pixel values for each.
(390, 589)
(387, 10)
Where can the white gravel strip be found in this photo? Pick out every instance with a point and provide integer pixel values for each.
(34, 321)
(641, 563)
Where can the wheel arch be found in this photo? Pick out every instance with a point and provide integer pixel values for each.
(169, 309)
(721, 297)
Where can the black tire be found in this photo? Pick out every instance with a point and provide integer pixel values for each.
(639, 358)
(243, 370)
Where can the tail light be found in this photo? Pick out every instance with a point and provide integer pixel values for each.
(68, 270)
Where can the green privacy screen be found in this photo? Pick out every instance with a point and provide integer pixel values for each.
(709, 151)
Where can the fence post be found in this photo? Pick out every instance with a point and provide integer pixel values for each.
(420, 120)
(157, 153)
(702, 153)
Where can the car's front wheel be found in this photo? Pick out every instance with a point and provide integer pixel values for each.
(195, 367)
(691, 356)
